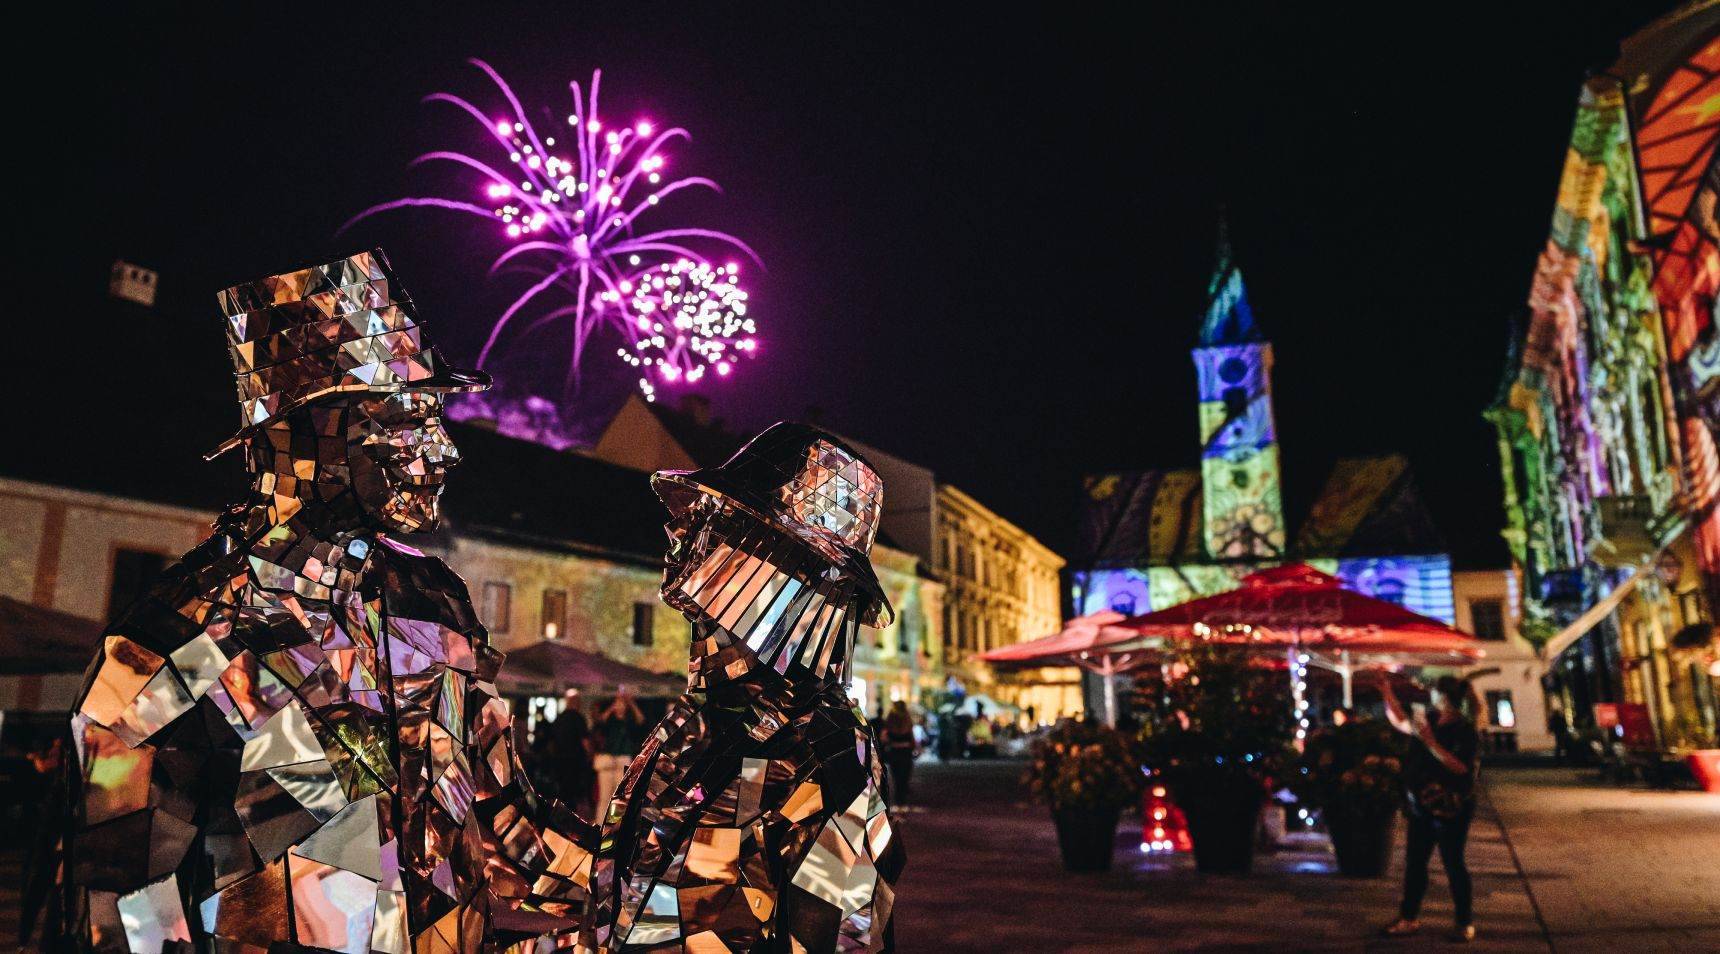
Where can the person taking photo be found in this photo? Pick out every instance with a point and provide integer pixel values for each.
(1439, 778)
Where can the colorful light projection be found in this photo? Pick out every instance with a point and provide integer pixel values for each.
(1243, 503)
(1676, 132)
(1583, 417)
(1675, 137)
(571, 216)
(1420, 583)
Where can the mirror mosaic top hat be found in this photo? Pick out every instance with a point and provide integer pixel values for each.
(346, 326)
(809, 483)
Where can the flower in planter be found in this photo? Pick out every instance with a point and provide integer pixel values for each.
(1084, 765)
(1353, 773)
(1214, 718)
(1355, 769)
(1216, 728)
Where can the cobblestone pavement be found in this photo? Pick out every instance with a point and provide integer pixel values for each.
(983, 876)
(1604, 868)
(1613, 868)
(11, 893)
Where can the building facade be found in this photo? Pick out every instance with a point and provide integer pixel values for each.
(1242, 500)
(1606, 451)
(1003, 588)
(903, 661)
(1155, 538)
(85, 554)
(553, 546)
(1508, 680)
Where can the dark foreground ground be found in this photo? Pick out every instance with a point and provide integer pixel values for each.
(1608, 869)
(1560, 864)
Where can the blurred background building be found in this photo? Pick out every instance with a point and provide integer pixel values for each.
(1606, 416)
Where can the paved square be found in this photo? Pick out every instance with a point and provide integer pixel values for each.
(983, 876)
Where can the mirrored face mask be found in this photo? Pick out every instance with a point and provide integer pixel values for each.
(404, 459)
(757, 595)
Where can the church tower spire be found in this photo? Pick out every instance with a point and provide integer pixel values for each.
(1243, 502)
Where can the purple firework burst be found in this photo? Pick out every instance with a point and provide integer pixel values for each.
(570, 214)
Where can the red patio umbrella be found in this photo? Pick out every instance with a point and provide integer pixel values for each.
(1286, 599)
(1070, 646)
(1309, 612)
(1083, 642)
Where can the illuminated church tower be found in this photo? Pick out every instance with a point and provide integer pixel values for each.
(1243, 503)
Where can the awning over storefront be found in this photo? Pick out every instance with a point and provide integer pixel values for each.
(1590, 619)
(547, 667)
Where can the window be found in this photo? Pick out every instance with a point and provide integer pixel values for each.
(1500, 711)
(1690, 605)
(642, 616)
(498, 602)
(133, 571)
(1487, 618)
(554, 612)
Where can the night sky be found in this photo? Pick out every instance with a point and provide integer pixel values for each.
(986, 236)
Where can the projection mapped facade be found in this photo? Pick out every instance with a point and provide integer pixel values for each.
(1606, 419)
(1244, 507)
(1156, 538)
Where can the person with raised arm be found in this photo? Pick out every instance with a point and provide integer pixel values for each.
(1439, 779)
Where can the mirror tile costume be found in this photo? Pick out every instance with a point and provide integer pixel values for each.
(754, 819)
(293, 741)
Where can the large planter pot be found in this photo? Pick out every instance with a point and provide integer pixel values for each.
(1362, 842)
(1221, 824)
(1086, 837)
(1705, 768)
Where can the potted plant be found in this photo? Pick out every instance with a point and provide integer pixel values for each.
(1086, 773)
(1353, 773)
(1216, 727)
(1692, 737)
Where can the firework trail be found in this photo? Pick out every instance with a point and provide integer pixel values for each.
(570, 213)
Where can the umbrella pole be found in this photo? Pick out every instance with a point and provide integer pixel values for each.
(1348, 672)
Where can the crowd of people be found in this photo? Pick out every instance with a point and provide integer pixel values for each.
(581, 759)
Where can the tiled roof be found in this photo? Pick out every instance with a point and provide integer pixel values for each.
(502, 487)
(1369, 506)
(1141, 517)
